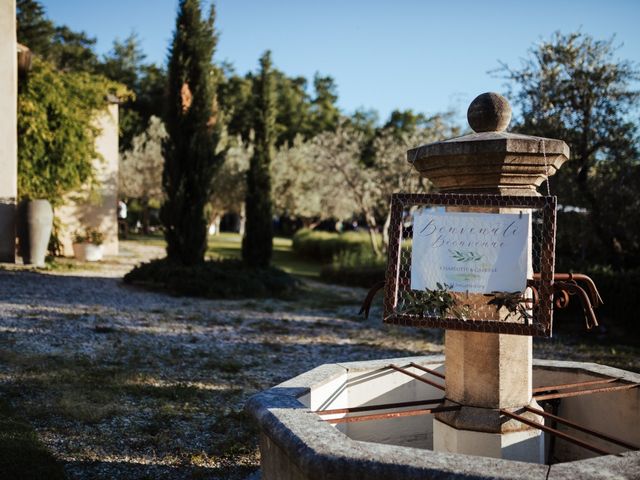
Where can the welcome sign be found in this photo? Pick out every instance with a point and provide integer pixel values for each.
(454, 264)
(470, 252)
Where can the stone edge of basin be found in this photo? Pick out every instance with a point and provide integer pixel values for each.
(319, 447)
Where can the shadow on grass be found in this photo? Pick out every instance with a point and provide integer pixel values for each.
(151, 471)
(22, 455)
(228, 246)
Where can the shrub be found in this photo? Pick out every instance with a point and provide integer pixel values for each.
(213, 279)
(355, 268)
(619, 291)
(360, 276)
(324, 246)
(56, 133)
(90, 235)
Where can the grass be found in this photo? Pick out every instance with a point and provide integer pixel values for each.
(22, 455)
(229, 246)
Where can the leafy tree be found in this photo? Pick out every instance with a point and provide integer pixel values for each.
(150, 91)
(297, 113)
(56, 135)
(346, 180)
(141, 168)
(294, 108)
(391, 171)
(192, 150)
(72, 51)
(66, 49)
(124, 61)
(406, 121)
(236, 96)
(125, 64)
(337, 160)
(573, 88)
(325, 114)
(230, 184)
(257, 243)
(34, 29)
(296, 189)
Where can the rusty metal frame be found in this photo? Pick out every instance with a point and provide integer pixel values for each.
(577, 393)
(428, 370)
(416, 376)
(540, 394)
(565, 386)
(380, 406)
(384, 416)
(542, 324)
(577, 426)
(555, 432)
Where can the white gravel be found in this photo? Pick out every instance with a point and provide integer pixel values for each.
(124, 383)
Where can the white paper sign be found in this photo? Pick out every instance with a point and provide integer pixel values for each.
(471, 252)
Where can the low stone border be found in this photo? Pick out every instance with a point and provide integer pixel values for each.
(297, 444)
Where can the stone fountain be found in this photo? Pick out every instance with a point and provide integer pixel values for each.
(503, 414)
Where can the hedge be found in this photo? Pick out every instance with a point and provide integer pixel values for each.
(324, 246)
(354, 276)
(213, 279)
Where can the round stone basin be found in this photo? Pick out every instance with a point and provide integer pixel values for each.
(298, 443)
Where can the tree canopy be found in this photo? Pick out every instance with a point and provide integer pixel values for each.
(257, 243)
(573, 87)
(193, 150)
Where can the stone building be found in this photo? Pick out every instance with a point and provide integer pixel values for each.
(85, 208)
(8, 129)
(96, 208)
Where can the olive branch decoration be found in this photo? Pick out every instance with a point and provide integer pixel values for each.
(465, 256)
(514, 302)
(438, 302)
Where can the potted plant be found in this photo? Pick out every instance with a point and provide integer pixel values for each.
(87, 245)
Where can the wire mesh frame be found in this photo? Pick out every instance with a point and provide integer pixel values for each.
(540, 316)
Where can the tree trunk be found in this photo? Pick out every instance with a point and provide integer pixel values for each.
(385, 232)
(371, 222)
(243, 217)
(145, 215)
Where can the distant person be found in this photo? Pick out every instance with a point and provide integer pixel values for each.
(123, 227)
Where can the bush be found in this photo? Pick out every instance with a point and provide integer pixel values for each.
(356, 269)
(617, 315)
(324, 246)
(358, 276)
(56, 133)
(619, 290)
(213, 279)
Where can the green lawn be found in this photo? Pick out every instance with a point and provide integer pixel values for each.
(229, 245)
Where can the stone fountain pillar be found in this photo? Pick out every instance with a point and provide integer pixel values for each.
(487, 372)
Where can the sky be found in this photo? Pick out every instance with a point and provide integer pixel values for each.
(429, 56)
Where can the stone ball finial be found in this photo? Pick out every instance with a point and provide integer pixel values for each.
(489, 112)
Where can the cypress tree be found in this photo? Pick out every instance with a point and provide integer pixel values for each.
(194, 132)
(257, 244)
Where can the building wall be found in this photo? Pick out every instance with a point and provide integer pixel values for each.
(98, 207)
(8, 129)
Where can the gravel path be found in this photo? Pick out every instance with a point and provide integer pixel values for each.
(123, 383)
(119, 382)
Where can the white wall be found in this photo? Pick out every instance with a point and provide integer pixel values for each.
(8, 129)
(97, 208)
